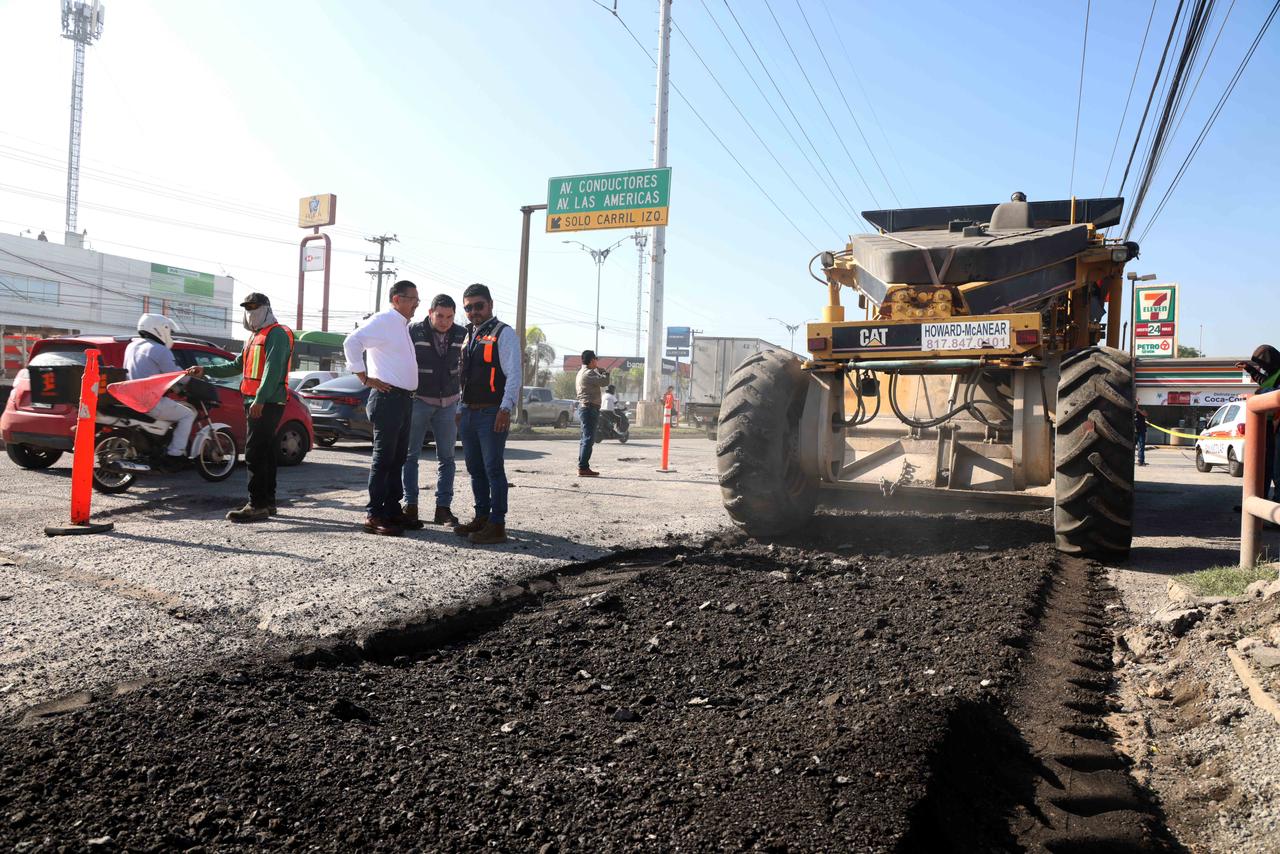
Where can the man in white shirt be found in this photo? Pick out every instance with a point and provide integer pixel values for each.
(381, 354)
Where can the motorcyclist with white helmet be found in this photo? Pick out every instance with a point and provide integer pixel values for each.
(151, 354)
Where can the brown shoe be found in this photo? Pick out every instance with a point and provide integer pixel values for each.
(471, 527)
(382, 527)
(490, 535)
(588, 473)
(408, 518)
(444, 516)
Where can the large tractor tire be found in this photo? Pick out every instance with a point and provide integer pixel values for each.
(762, 483)
(1093, 455)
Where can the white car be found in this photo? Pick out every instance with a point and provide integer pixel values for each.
(301, 381)
(1221, 442)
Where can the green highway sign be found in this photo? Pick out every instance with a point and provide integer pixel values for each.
(635, 199)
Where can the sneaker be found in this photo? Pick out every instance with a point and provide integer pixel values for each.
(588, 473)
(172, 463)
(249, 513)
(382, 527)
(491, 534)
(444, 516)
(471, 527)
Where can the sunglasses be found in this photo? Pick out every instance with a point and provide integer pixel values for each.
(473, 307)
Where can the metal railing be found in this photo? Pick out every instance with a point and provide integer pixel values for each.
(1254, 507)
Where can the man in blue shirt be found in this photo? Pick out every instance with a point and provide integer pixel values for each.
(149, 355)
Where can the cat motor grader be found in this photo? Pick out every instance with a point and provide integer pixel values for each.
(987, 364)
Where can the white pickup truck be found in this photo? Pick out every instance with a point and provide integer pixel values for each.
(541, 408)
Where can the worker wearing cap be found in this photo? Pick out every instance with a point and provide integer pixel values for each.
(264, 370)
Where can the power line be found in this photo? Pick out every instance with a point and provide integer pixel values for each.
(821, 106)
(1125, 112)
(717, 138)
(844, 204)
(1155, 84)
(1213, 117)
(839, 89)
(870, 105)
(853, 209)
(752, 127)
(1204, 65)
(1075, 138)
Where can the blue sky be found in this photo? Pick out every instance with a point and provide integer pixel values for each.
(437, 120)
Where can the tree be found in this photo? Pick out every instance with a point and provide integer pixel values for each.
(1189, 352)
(565, 386)
(536, 352)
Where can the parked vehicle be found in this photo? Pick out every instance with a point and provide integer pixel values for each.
(541, 408)
(300, 381)
(712, 361)
(36, 435)
(614, 425)
(1221, 442)
(128, 443)
(338, 411)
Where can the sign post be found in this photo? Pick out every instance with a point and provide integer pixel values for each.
(83, 457)
(313, 212)
(1155, 321)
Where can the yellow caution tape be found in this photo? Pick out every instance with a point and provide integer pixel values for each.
(1174, 432)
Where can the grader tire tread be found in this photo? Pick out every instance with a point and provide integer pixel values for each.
(1093, 452)
(757, 453)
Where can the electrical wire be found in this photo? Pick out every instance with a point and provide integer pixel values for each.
(821, 105)
(1125, 112)
(1075, 137)
(848, 108)
(1155, 84)
(752, 127)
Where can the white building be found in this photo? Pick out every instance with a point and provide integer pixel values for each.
(49, 289)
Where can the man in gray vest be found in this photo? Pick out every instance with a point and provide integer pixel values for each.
(437, 342)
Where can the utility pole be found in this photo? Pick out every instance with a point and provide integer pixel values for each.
(382, 240)
(653, 361)
(82, 23)
(642, 240)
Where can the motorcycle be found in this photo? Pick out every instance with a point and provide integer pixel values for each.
(128, 442)
(614, 425)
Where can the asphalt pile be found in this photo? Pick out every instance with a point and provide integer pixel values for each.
(794, 696)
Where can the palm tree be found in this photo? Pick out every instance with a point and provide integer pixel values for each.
(536, 352)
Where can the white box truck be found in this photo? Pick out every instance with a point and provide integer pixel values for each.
(711, 363)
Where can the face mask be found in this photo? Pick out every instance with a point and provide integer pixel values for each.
(257, 318)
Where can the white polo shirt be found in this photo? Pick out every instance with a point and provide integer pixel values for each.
(382, 348)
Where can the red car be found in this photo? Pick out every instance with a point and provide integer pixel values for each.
(35, 435)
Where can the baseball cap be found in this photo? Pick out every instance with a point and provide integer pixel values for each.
(255, 299)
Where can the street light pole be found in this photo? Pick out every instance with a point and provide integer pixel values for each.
(1134, 278)
(790, 327)
(599, 256)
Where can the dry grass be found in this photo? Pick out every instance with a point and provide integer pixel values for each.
(1226, 580)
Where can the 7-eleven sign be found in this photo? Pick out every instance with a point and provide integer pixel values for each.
(1156, 304)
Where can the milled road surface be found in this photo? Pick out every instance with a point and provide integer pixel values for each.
(176, 584)
(789, 697)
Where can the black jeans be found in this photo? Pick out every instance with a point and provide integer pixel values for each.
(260, 455)
(392, 414)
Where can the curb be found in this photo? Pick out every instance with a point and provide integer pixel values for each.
(1257, 693)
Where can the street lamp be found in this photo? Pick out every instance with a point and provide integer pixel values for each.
(1134, 278)
(598, 256)
(791, 328)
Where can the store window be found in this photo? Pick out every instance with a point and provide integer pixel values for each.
(28, 288)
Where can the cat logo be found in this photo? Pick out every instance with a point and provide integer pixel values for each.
(872, 337)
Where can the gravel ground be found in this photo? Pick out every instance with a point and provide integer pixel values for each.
(175, 583)
(794, 697)
(1197, 740)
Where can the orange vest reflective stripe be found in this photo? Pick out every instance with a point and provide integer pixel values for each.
(255, 357)
(489, 341)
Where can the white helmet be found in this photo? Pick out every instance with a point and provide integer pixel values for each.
(159, 327)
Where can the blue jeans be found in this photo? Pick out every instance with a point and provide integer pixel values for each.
(483, 449)
(444, 429)
(589, 416)
(1142, 447)
(390, 414)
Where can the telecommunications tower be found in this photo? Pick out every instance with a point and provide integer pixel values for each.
(82, 23)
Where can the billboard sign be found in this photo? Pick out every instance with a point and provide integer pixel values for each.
(635, 199)
(1155, 321)
(679, 337)
(169, 281)
(313, 258)
(315, 211)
